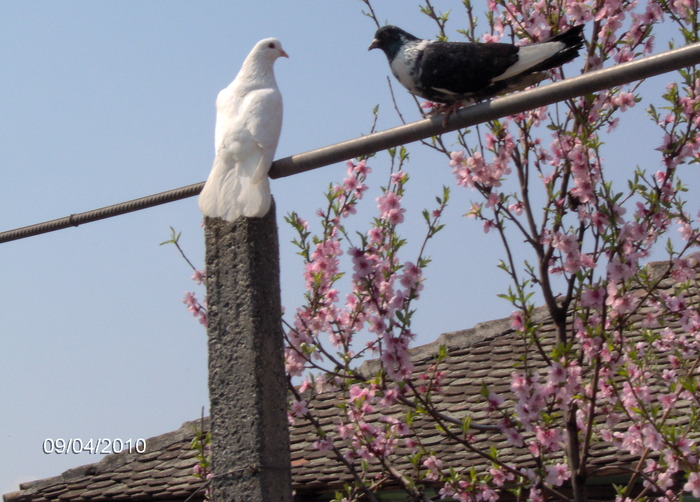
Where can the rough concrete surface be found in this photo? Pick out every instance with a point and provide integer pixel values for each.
(247, 386)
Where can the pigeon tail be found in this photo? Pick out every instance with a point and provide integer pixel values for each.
(251, 200)
(542, 56)
(573, 42)
(235, 188)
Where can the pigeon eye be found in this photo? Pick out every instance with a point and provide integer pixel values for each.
(271, 45)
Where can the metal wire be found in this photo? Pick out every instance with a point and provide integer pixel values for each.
(415, 131)
(76, 219)
(491, 110)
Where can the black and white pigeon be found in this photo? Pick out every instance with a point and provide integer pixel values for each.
(453, 73)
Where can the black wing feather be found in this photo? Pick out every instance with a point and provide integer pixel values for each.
(464, 68)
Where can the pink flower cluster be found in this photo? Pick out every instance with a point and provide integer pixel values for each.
(474, 171)
(381, 286)
(681, 142)
(370, 433)
(572, 153)
(198, 310)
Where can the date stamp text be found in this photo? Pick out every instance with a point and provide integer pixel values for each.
(101, 446)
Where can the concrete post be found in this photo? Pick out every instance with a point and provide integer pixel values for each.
(247, 386)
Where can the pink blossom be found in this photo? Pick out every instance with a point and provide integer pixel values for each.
(191, 301)
(684, 445)
(600, 220)
(411, 276)
(350, 183)
(398, 177)
(500, 476)
(519, 384)
(578, 12)
(683, 269)
(361, 264)
(358, 392)
(495, 401)
(492, 199)
(447, 491)
(619, 270)
(693, 484)
(686, 231)
(401, 429)
(556, 374)
(456, 158)
(323, 445)
(624, 100)
(593, 297)
(513, 437)
(361, 168)
(389, 205)
(557, 474)
(195, 308)
(198, 276)
(516, 321)
(486, 494)
(587, 261)
(305, 384)
(377, 325)
(516, 208)
(395, 216)
(433, 464)
(622, 304)
(395, 357)
(376, 235)
(298, 408)
(389, 398)
(536, 495)
(683, 8)
(661, 177)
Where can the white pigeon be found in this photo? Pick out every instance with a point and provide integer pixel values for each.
(248, 124)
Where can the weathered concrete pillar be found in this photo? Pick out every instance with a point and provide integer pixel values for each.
(247, 387)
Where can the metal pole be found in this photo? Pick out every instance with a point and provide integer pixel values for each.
(490, 110)
(466, 117)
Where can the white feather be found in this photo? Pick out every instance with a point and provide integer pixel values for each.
(248, 124)
(529, 56)
(403, 66)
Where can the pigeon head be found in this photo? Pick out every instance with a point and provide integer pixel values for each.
(390, 39)
(269, 48)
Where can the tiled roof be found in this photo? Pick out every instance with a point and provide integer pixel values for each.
(483, 354)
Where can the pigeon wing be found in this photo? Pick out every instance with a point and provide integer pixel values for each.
(461, 69)
(238, 184)
(263, 112)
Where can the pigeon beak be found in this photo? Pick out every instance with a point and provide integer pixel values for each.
(373, 45)
(283, 54)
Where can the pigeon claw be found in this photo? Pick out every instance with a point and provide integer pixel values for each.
(446, 110)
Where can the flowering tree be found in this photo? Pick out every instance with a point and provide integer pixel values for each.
(621, 369)
(537, 177)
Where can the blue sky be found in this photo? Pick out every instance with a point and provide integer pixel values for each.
(103, 102)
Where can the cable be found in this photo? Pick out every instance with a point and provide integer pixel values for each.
(77, 219)
(415, 131)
